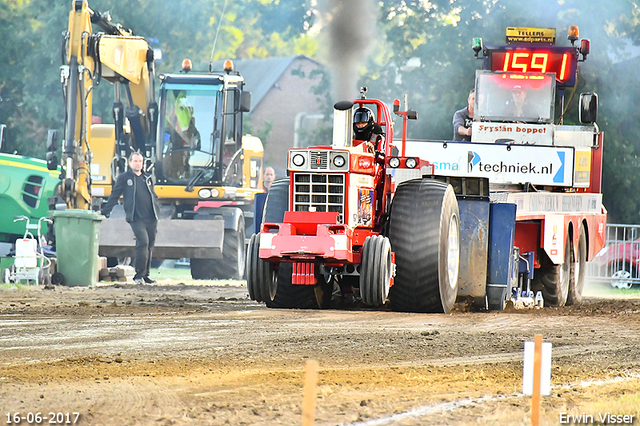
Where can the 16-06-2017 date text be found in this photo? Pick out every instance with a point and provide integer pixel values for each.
(51, 418)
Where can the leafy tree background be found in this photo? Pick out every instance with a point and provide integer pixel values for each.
(393, 36)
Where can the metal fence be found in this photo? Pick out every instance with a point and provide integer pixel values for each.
(619, 262)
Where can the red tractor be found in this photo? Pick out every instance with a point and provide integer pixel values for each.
(339, 221)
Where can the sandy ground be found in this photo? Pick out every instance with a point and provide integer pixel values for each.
(201, 353)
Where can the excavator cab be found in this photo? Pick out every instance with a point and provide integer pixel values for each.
(190, 144)
(199, 139)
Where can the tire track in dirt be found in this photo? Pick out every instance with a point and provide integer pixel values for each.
(426, 410)
(557, 352)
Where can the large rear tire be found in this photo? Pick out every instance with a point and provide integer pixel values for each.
(375, 274)
(553, 281)
(277, 202)
(424, 231)
(578, 271)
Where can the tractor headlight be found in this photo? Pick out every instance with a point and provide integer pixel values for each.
(339, 161)
(394, 162)
(204, 193)
(411, 163)
(298, 160)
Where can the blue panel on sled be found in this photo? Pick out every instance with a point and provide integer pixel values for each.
(502, 229)
(474, 240)
(258, 204)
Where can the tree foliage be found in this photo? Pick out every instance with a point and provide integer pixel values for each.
(420, 48)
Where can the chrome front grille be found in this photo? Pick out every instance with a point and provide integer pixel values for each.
(319, 160)
(319, 192)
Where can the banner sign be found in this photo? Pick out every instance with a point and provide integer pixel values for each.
(555, 202)
(531, 35)
(508, 164)
(517, 133)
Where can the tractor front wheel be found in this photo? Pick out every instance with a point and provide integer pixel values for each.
(293, 296)
(375, 274)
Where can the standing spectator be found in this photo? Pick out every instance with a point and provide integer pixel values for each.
(141, 209)
(463, 120)
(268, 178)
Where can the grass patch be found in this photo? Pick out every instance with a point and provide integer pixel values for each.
(601, 289)
(15, 286)
(175, 274)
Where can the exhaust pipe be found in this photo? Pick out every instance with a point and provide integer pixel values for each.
(342, 128)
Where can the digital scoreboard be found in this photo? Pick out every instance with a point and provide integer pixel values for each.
(562, 61)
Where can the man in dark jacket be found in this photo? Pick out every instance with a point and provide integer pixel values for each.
(141, 209)
(463, 120)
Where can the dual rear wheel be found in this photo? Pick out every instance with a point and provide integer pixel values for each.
(274, 288)
(262, 282)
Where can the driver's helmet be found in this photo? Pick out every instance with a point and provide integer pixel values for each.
(363, 123)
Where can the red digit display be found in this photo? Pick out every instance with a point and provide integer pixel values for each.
(560, 61)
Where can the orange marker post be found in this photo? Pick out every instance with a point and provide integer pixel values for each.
(310, 393)
(537, 367)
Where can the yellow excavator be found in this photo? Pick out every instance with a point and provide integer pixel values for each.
(206, 172)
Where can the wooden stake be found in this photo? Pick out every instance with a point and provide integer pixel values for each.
(537, 367)
(309, 396)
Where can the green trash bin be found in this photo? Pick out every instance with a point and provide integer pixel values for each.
(77, 237)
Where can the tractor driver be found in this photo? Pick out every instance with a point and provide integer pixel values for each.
(367, 130)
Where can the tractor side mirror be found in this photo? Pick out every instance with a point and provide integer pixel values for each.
(245, 102)
(588, 112)
(52, 147)
(52, 140)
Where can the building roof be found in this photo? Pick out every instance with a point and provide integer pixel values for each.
(260, 75)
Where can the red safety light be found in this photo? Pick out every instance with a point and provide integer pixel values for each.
(585, 47)
(186, 65)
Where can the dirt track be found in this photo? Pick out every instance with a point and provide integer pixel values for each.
(185, 354)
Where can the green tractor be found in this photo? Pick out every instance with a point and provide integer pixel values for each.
(25, 186)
